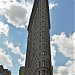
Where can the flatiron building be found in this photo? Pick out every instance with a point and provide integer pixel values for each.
(38, 55)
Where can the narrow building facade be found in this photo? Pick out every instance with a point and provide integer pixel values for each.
(38, 55)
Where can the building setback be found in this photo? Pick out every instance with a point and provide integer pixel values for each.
(38, 55)
(4, 71)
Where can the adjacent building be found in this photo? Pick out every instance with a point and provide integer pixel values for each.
(22, 70)
(38, 56)
(4, 71)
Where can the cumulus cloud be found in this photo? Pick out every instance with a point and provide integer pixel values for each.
(19, 18)
(4, 28)
(52, 5)
(68, 69)
(21, 1)
(5, 59)
(18, 12)
(65, 44)
(22, 62)
(53, 54)
(15, 50)
(18, 0)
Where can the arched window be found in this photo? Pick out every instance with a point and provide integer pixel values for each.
(43, 72)
(43, 53)
(43, 46)
(38, 72)
(43, 63)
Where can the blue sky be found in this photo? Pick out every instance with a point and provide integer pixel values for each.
(14, 18)
(63, 16)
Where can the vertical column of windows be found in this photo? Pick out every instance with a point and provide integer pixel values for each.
(47, 73)
(43, 53)
(39, 63)
(43, 46)
(39, 54)
(39, 73)
(43, 72)
(43, 63)
(43, 27)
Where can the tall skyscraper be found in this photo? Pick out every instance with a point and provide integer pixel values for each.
(38, 56)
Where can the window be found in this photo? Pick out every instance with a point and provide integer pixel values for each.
(43, 27)
(43, 33)
(43, 72)
(40, 33)
(39, 54)
(39, 63)
(39, 72)
(47, 73)
(39, 39)
(42, 4)
(43, 12)
(42, 17)
(43, 53)
(42, 22)
(33, 54)
(43, 63)
(43, 39)
(43, 46)
(39, 46)
(47, 63)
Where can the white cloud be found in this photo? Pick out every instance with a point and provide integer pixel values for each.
(68, 69)
(21, 1)
(5, 59)
(56, 74)
(18, 12)
(18, 0)
(15, 50)
(18, 15)
(53, 54)
(65, 44)
(52, 5)
(4, 29)
(67, 47)
(22, 62)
